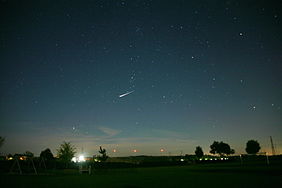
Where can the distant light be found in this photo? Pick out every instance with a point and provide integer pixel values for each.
(135, 150)
(182, 160)
(114, 150)
(74, 159)
(221, 158)
(21, 158)
(206, 159)
(201, 159)
(81, 158)
(226, 158)
(210, 159)
(162, 150)
(215, 159)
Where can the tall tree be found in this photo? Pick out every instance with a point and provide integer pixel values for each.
(2, 140)
(66, 152)
(252, 147)
(104, 156)
(199, 152)
(221, 148)
(46, 154)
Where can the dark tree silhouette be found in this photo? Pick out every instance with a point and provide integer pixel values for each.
(221, 148)
(214, 147)
(28, 154)
(47, 158)
(104, 156)
(199, 152)
(66, 152)
(252, 147)
(47, 155)
(2, 140)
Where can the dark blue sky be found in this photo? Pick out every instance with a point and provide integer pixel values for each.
(198, 71)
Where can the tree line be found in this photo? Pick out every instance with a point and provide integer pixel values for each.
(67, 151)
(221, 148)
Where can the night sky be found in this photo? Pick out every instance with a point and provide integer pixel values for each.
(136, 74)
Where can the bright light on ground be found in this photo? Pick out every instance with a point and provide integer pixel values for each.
(81, 158)
(73, 159)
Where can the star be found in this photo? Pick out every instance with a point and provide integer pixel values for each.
(253, 107)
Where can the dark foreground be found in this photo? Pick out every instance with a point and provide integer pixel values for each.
(205, 175)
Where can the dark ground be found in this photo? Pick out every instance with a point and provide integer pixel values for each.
(200, 175)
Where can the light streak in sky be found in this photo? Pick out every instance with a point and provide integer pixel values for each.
(125, 94)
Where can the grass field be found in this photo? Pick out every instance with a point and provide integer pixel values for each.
(215, 175)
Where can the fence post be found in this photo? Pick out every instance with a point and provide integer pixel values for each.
(267, 160)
